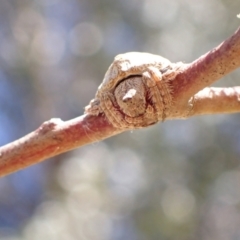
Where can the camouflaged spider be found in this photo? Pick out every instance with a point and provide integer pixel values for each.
(135, 91)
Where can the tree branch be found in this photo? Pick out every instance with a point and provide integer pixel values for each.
(55, 136)
(216, 100)
(208, 68)
(52, 138)
(204, 71)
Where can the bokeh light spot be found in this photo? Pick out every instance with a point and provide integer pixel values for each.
(85, 39)
(178, 203)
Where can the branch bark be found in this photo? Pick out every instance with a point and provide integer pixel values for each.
(206, 70)
(55, 136)
(52, 138)
(216, 101)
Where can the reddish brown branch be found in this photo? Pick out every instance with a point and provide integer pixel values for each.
(55, 137)
(208, 68)
(216, 100)
(52, 138)
(203, 72)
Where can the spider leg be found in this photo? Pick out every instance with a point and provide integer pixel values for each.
(134, 120)
(151, 113)
(93, 107)
(165, 89)
(113, 115)
(151, 78)
(138, 121)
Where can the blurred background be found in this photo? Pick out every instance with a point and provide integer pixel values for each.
(175, 180)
